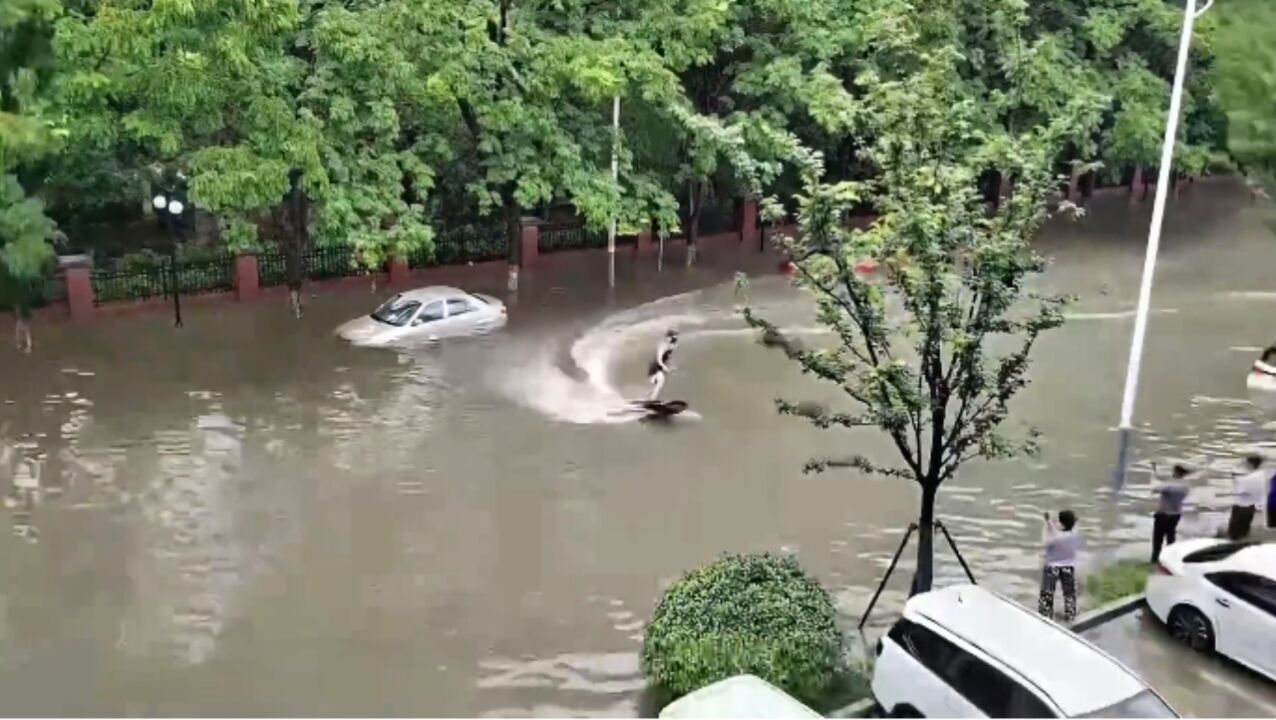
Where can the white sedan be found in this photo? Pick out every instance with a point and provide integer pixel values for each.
(425, 315)
(1220, 596)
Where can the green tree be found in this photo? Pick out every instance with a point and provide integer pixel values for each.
(302, 117)
(933, 355)
(25, 134)
(1245, 76)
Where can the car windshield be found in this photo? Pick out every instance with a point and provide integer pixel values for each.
(1144, 705)
(1214, 553)
(396, 311)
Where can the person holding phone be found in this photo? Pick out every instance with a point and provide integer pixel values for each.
(1062, 545)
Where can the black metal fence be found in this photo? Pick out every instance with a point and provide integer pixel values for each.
(148, 277)
(570, 236)
(322, 263)
(140, 282)
(470, 244)
(719, 215)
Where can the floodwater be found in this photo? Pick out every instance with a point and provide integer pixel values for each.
(247, 517)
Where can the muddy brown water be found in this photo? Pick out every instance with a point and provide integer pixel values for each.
(248, 517)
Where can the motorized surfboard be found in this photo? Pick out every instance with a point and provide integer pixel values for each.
(658, 409)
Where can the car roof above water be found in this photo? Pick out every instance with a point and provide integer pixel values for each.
(433, 292)
(1077, 676)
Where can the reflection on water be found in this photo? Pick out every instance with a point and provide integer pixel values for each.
(248, 516)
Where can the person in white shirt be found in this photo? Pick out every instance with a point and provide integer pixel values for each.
(1249, 490)
(660, 367)
(1062, 544)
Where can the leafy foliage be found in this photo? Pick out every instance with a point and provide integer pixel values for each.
(1246, 80)
(246, 97)
(757, 614)
(916, 354)
(25, 134)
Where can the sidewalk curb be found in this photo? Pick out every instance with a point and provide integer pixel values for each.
(856, 709)
(1111, 611)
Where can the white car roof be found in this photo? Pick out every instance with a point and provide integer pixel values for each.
(1077, 676)
(1259, 558)
(433, 292)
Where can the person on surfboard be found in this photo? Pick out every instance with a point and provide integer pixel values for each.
(660, 368)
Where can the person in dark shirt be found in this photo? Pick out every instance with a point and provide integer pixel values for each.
(1169, 508)
(660, 367)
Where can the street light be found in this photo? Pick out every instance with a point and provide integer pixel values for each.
(1190, 14)
(170, 210)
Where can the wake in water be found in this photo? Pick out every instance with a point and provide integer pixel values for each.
(586, 392)
(582, 387)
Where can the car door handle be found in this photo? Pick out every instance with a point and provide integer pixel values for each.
(1222, 602)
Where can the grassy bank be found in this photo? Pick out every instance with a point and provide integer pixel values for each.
(1121, 579)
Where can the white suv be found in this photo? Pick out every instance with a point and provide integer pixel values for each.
(966, 652)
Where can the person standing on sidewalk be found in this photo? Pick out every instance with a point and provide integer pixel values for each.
(1169, 508)
(1249, 490)
(1062, 544)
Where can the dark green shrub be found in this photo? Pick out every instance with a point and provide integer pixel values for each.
(757, 614)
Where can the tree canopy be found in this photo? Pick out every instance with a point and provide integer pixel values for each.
(933, 352)
(26, 134)
(335, 119)
(1245, 76)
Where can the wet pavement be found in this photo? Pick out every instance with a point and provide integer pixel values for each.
(1194, 684)
(248, 517)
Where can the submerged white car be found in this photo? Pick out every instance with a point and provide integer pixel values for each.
(1220, 596)
(425, 315)
(965, 652)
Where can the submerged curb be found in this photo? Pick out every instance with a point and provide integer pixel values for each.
(1106, 613)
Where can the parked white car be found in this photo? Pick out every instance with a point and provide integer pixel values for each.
(1261, 384)
(425, 315)
(1220, 596)
(966, 652)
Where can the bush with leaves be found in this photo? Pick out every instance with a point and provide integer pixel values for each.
(756, 614)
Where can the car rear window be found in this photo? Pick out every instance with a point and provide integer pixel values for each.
(479, 298)
(1144, 705)
(1215, 553)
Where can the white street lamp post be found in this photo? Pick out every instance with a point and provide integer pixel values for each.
(1190, 14)
(170, 210)
(615, 178)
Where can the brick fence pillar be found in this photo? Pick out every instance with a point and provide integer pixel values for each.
(400, 271)
(247, 278)
(749, 235)
(529, 241)
(78, 276)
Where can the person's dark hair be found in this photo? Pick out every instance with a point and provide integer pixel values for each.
(1254, 460)
(1180, 472)
(671, 334)
(1067, 519)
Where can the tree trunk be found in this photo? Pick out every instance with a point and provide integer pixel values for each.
(1136, 180)
(513, 236)
(22, 328)
(695, 194)
(924, 577)
(1074, 180)
(296, 242)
